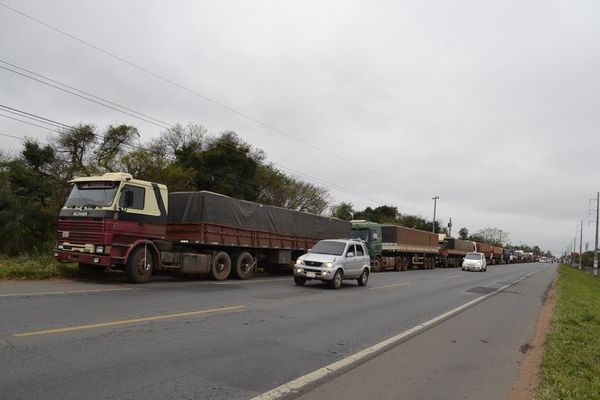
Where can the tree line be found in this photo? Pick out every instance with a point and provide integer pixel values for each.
(35, 182)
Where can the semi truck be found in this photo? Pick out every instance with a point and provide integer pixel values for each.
(452, 251)
(115, 221)
(401, 248)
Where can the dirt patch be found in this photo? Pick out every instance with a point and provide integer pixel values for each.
(527, 381)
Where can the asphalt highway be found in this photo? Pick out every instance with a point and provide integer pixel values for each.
(201, 339)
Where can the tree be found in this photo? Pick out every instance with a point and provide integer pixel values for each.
(463, 233)
(493, 236)
(343, 211)
(277, 189)
(382, 214)
(111, 147)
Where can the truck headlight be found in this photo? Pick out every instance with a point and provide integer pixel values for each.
(100, 249)
(60, 247)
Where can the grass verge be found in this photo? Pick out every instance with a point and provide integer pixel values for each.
(571, 365)
(31, 267)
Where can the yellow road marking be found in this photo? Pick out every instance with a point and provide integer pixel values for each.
(389, 286)
(64, 292)
(129, 321)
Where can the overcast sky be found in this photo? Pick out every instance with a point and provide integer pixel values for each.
(491, 105)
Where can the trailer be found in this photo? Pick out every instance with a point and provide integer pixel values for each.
(406, 248)
(453, 250)
(115, 221)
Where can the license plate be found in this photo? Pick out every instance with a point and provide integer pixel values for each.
(310, 274)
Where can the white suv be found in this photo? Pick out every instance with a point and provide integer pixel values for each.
(474, 261)
(332, 261)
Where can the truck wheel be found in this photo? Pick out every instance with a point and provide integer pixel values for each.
(336, 282)
(398, 261)
(139, 266)
(363, 278)
(377, 264)
(221, 266)
(243, 265)
(300, 280)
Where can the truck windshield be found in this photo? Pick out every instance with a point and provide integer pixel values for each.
(362, 234)
(329, 247)
(93, 194)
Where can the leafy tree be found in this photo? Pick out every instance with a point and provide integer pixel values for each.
(493, 236)
(381, 214)
(343, 211)
(463, 233)
(153, 167)
(277, 189)
(113, 143)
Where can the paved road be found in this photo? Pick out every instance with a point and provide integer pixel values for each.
(199, 339)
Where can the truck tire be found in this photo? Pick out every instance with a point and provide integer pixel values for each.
(221, 266)
(336, 282)
(377, 264)
(398, 261)
(243, 265)
(404, 261)
(139, 265)
(363, 278)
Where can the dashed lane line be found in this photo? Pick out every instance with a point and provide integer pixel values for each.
(64, 292)
(129, 321)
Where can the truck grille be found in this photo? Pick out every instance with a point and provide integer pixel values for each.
(80, 230)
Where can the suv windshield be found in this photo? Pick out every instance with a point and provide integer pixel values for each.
(473, 257)
(329, 247)
(95, 194)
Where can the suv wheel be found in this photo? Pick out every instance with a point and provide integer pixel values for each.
(336, 282)
(363, 278)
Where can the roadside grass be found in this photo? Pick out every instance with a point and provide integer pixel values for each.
(571, 365)
(35, 267)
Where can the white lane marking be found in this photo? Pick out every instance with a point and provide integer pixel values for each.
(389, 286)
(64, 292)
(299, 383)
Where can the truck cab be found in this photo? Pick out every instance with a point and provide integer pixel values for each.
(370, 233)
(107, 219)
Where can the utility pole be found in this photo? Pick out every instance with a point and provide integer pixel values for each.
(450, 228)
(435, 199)
(580, 243)
(596, 246)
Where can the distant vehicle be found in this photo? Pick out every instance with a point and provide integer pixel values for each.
(474, 261)
(332, 261)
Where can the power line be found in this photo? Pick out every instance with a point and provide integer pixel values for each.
(83, 97)
(34, 117)
(209, 99)
(84, 92)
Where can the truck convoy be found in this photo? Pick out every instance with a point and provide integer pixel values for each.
(119, 222)
(401, 248)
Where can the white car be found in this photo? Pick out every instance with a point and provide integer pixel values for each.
(474, 261)
(332, 261)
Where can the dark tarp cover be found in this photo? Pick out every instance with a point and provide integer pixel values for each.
(198, 207)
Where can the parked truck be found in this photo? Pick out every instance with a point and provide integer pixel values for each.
(452, 251)
(370, 233)
(119, 222)
(401, 248)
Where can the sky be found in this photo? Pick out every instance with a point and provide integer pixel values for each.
(491, 105)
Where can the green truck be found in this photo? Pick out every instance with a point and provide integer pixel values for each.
(397, 247)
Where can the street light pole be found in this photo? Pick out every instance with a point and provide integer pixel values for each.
(435, 199)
